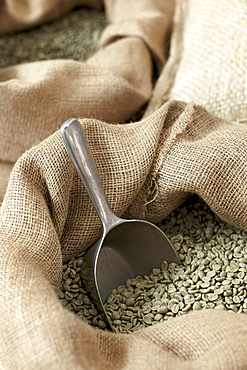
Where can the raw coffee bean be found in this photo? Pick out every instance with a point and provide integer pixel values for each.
(212, 275)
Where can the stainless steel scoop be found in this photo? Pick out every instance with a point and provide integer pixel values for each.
(127, 248)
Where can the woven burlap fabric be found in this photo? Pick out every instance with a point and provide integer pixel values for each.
(37, 97)
(147, 168)
(198, 153)
(46, 217)
(207, 62)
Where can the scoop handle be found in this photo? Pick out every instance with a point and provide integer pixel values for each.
(77, 146)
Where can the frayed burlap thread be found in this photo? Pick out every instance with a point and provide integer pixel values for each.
(199, 154)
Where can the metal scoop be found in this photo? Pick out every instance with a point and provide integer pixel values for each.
(127, 248)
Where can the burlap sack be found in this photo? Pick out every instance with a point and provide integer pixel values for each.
(207, 62)
(147, 168)
(46, 216)
(21, 15)
(36, 97)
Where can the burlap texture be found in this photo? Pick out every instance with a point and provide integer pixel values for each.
(37, 97)
(46, 216)
(198, 153)
(207, 62)
(147, 168)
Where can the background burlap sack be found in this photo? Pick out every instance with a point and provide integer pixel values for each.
(36, 97)
(207, 63)
(21, 15)
(147, 168)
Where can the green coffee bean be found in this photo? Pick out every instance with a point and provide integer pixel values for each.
(212, 275)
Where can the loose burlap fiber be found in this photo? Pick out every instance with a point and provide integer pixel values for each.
(147, 168)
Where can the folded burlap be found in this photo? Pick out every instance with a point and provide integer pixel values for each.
(46, 217)
(147, 168)
(21, 15)
(207, 63)
(36, 97)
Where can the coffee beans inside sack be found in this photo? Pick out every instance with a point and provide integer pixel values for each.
(212, 275)
(191, 139)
